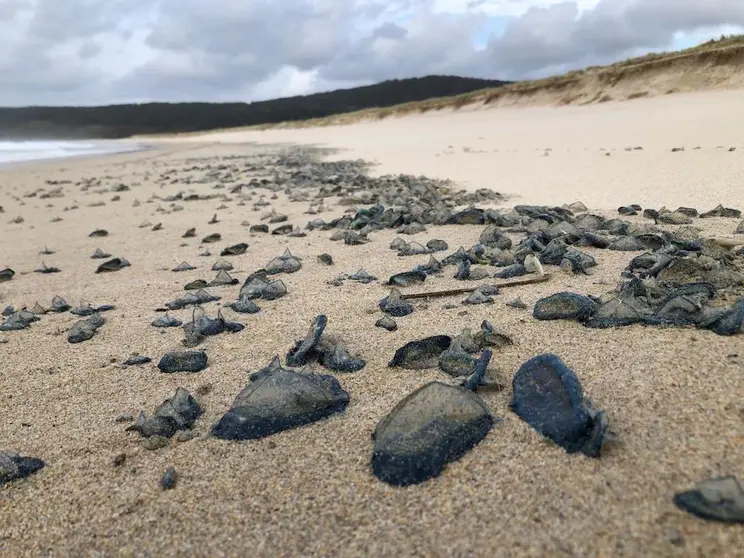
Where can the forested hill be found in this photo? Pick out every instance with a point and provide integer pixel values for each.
(119, 121)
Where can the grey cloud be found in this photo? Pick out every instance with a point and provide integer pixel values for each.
(101, 51)
(437, 44)
(57, 21)
(390, 31)
(89, 49)
(200, 49)
(10, 9)
(46, 49)
(302, 33)
(37, 78)
(558, 36)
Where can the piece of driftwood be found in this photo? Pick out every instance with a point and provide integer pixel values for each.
(466, 290)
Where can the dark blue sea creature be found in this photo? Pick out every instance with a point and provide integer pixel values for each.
(548, 396)
(431, 427)
(564, 306)
(278, 399)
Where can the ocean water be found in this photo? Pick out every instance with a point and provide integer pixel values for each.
(12, 151)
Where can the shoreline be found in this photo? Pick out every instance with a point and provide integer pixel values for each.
(152, 151)
(136, 148)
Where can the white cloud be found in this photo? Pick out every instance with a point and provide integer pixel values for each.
(512, 8)
(102, 51)
(289, 81)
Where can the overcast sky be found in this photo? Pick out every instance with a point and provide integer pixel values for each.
(55, 52)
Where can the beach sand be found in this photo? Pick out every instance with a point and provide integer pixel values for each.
(674, 396)
(504, 149)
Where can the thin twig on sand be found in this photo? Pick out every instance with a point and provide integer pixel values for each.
(453, 292)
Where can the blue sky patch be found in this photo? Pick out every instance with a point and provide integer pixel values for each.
(495, 26)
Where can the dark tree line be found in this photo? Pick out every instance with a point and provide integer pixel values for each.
(120, 121)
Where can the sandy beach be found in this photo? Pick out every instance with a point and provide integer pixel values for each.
(504, 149)
(674, 396)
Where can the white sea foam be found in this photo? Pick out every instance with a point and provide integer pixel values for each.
(29, 150)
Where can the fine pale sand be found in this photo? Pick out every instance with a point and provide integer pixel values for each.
(674, 396)
(504, 149)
